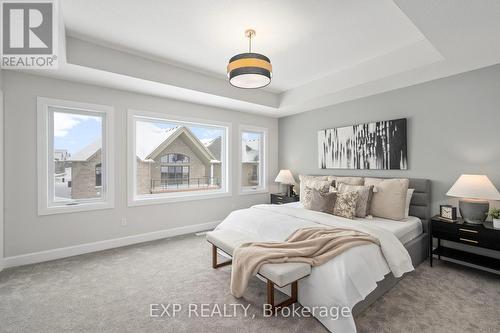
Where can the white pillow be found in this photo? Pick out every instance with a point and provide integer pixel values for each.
(409, 194)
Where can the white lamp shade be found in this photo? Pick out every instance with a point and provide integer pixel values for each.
(474, 187)
(285, 177)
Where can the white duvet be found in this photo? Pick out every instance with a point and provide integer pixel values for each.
(344, 280)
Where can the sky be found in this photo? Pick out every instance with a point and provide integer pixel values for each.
(73, 132)
(202, 133)
(247, 136)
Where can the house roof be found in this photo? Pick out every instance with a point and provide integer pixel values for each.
(87, 152)
(151, 138)
(250, 151)
(153, 141)
(193, 140)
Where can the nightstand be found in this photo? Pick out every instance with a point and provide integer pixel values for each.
(481, 236)
(281, 198)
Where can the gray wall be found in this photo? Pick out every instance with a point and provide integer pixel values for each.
(453, 128)
(26, 232)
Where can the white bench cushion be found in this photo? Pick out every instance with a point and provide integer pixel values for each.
(281, 274)
(285, 273)
(228, 240)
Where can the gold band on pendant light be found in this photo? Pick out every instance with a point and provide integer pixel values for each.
(249, 70)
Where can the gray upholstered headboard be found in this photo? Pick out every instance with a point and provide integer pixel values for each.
(420, 205)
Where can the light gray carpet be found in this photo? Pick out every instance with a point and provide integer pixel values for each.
(111, 291)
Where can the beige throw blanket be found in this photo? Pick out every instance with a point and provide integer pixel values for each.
(313, 246)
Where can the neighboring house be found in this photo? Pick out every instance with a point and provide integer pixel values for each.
(62, 183)
(178, 160)
(86, 172)
(62, 174)
(215, 146)
(167, 160)
(60, 160)
(250, 160)
(61, 154)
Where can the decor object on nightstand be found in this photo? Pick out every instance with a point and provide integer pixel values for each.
(495, 215)
(448, 213)
(286, 177)
(474, 191)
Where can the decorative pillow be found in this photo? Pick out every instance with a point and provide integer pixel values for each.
(345, 205)
(321, 186)
(310, 181)
(331, 179)
(389, 199)
(365, 194)
(337, 181)
(333, 189)
(322, 201)
(409, 194)
(349, 181)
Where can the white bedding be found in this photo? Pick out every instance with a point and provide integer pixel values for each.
(344, 280)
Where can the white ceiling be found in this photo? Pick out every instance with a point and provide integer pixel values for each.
(305, 40)
(323, 51)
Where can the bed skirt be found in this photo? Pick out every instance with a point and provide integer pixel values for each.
(418, 249)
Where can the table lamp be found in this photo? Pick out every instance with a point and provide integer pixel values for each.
(286, 177)
(474, 191)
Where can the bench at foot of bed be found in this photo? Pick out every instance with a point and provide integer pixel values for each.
(279, 275)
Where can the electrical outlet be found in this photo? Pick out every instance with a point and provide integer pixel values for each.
(124, 221)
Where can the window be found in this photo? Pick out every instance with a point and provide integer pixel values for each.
(98, 175)
(252, 159)
(173, 159)
(74, 156)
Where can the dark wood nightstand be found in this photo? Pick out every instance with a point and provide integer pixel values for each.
(482, 236)
(281, 198)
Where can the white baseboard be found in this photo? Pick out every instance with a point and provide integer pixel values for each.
(64, 252)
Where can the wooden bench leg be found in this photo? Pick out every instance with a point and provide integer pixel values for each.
(270, 296)
(214, 259)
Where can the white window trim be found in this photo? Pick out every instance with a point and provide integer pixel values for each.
(264, 188)
(43, 163)
(153, 199)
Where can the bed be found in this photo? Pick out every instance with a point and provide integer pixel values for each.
(357, 277)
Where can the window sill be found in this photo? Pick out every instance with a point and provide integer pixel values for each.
(81, 207)
(254, 191)
(147, 200)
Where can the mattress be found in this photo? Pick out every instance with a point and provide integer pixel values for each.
(405, 231)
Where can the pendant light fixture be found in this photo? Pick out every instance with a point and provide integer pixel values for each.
(249, 70)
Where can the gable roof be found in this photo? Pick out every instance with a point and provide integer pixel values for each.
(151, 138)
(215, 146)
(175, 133)
(153, 141)
(87, 152)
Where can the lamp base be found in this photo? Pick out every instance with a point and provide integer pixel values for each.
(473, 211)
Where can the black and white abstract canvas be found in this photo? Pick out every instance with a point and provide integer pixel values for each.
(380, 145)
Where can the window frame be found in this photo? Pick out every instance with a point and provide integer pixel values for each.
(263, 185)
(45, 152)
(134, 199)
